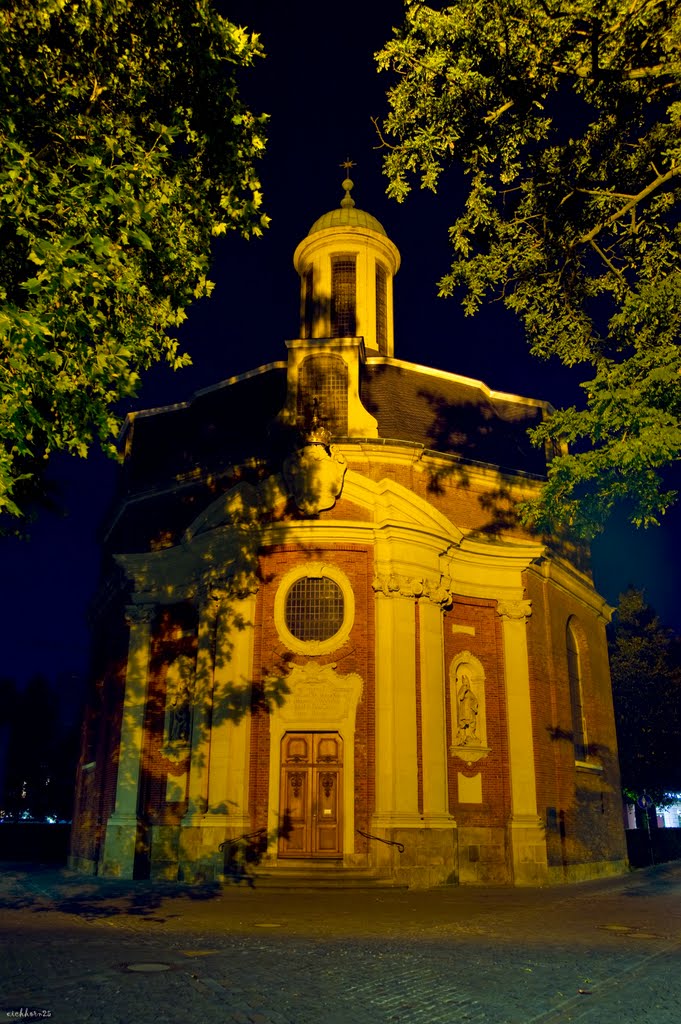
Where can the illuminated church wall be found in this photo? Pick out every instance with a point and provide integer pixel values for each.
(323, 628)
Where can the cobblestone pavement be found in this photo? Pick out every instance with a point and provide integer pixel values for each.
(96, 950)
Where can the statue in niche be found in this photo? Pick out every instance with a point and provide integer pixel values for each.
(467, 711)
(179, 719)
(180, 684)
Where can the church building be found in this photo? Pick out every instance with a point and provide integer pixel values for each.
(324, 643)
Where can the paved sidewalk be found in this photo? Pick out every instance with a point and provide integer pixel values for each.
(99, 950)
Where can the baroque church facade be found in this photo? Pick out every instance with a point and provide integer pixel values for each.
(324, 636)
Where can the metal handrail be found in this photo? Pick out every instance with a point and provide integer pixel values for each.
(388, 842)
(248, 835)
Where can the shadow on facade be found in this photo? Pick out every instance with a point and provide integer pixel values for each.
(468, 431)
(591, 807)
(183, 679)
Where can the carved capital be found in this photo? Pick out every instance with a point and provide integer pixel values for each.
(514, 610)
(399, 585)
(211, 594)
(440, 592)
(139, 614)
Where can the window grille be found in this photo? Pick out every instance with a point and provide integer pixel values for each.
(343, 291)
(314, 608)
(326, 379)
(381, 308)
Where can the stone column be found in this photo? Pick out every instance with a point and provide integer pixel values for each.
(433, 718)
(231, 723)
(527, 835)
(122, 827)
(396, 761)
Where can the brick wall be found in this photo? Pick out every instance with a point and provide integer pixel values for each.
(273, 658)
(486, 646)
(581, 805)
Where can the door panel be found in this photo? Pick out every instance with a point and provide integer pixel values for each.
(311, 795)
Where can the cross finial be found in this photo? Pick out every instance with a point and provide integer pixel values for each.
(347, 199)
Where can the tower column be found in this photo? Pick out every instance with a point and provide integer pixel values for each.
(121, 838)
(526, 832)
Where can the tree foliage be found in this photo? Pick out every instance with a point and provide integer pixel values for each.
(645, 662)
(565, 116)
(124, 149)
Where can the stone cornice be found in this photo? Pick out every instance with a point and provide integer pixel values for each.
(573, 582)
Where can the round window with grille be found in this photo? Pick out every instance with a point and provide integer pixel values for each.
(314, 609)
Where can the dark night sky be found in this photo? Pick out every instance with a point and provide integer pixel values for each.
(320, 87)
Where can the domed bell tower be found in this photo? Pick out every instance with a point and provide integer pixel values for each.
(346, 265)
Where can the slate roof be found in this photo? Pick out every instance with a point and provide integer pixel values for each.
(446, 413)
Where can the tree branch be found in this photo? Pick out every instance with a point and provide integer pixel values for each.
(633, 75)
(496, 114)
(374, 121)
(608, 262)
(661, 179)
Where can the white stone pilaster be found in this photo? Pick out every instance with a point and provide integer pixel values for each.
(121, 830)
(396, 760)
(199, 761)
(231, 721)
(527, 836)
(433, 718)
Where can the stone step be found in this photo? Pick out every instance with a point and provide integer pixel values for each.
(296, 878)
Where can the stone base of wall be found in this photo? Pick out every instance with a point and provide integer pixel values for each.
(429, 858)
(123, 844)
(528, 851)
(585, 872)
(199, 856)
(483, 857)
(83, 865)
(164, 852)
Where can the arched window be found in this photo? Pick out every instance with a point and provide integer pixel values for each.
(324, 378)
(343, 292)
(308, 301)
(381, 309)
(576, 677)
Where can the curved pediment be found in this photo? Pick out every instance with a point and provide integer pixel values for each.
(242, 505)
(388, 502)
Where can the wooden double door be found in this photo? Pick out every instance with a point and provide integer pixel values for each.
(311, 795)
